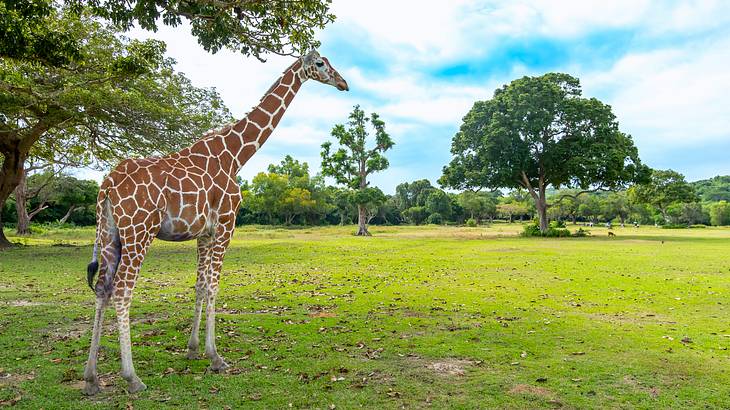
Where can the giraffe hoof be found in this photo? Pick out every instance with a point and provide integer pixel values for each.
(91, 388)
(193, 355)
(218, 366)
(136, 386)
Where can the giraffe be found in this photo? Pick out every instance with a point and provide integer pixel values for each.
(191, 194)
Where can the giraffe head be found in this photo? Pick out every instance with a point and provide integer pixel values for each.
(318, 68)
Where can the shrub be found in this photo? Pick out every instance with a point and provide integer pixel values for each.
(557, 224)
(580, 233)
(471, 222)
(675, 226)
(533, 229)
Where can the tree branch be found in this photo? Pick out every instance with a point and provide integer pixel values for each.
(575, 196)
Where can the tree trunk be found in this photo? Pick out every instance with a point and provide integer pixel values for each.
(362, 229)
(4, 242)
(542, 214)
(14, 149)
(21, 208)
(71, 210)
(12, 169)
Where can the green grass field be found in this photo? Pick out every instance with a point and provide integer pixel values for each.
(413, 317)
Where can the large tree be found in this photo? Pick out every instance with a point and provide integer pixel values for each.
(351, 163)
(121, 98)
(255, 28)
(538, 132)
(664, 188)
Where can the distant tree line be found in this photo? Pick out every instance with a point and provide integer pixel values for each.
(289, 194)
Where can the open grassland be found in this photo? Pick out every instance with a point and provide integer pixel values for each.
(412, 317)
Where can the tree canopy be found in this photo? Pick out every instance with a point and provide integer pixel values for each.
(538, 132)
(255, 28)
(121, 99)
(664, 188)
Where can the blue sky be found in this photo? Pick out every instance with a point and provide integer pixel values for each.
(662, 65)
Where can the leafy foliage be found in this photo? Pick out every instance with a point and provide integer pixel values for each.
(533, 229)
(665, 187)
(30, 32)
(415, 215)
(713, 189)
(720, 213)
(255, 28)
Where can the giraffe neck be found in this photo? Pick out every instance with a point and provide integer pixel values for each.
(243, 138)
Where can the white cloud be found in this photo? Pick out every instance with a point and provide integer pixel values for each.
(670, 96)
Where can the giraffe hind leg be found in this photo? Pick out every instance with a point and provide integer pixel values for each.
(108, 242)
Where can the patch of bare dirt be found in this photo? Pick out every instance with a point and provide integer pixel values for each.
(450, 367)
(532, 390)
(634, 318)
(638, 385)
(25, 303)
(322, 314)
(412, 313)
(11, 379)
(106, 381)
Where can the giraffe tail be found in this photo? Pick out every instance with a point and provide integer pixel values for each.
(93, 266)
(107, 249)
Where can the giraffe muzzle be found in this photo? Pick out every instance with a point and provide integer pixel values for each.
(342, 85)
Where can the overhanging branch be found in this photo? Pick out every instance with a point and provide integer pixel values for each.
(576, 195)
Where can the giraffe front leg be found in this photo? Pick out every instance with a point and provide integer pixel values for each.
(217, 364)
(91, 385)
(134, 383)
(134, 249)
(194, 342)
(223, 237)
(204, 252)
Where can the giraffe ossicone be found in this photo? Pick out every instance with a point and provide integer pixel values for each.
(191, 194)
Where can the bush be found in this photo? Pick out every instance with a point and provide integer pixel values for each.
(683, 226)
(471, 222)
(533, 229)
(557, 224)
(580, 233)
(435, 219)
(675, 226)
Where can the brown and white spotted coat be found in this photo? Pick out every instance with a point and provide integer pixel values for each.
(191, 194)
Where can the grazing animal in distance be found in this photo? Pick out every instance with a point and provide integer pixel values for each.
(611, 234)
(191, 194)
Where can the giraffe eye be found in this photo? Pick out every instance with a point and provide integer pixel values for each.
(319, 64)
